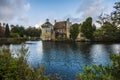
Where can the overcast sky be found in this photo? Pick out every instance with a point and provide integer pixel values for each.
(35, 12)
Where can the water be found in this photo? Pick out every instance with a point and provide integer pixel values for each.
(67, 59)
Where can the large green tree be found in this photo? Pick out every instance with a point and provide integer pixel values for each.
(114, 18)
(33, 32)
(74, 31)
(18, 29)
(87, 28)
(115, 15)
(7, 31)
(108, 32)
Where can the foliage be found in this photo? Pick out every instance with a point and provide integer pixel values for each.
(7, 31)
(1, 31)
(108, 72)
(108, 32)
(12, 68)
(29, 32)
(115, 15)
(113, 18)
(18, 29)
(74, 31)
(87, 28)
(14, 35)
(33, 32)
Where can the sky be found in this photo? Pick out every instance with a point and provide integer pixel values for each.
(35, 12)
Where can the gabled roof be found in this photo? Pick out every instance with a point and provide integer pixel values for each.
(46, 25)
(59, 25)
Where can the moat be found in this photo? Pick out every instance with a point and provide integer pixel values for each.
(67, 59)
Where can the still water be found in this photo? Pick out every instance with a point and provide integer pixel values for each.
(67, 59)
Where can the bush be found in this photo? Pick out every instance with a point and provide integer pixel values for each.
(108, 72)
(12, 68)
(14, 35)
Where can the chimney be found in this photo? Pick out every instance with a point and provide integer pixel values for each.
(47, 20)
(68, 20)
(55, 21)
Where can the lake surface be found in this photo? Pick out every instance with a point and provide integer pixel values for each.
(67, 59)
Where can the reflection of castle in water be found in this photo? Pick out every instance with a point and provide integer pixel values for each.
(67, 52)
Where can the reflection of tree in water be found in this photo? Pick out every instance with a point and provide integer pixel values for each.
(72, 57)
(112, 48)
(67, 51)
(58, 57)
(83, 48)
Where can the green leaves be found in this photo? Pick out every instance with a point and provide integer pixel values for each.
(87, 28)
(17, 68)
(74, 31)
(108, 72)
(7, 31)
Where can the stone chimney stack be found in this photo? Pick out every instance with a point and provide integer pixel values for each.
(47, 20)
(68, 20)
(55, 21)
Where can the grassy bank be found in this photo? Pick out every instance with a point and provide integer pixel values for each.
(17, 40)
(12, 40)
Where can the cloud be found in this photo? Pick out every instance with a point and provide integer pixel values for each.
(11, 9)
(27, 6)
(72, 19)
(24, 19)
(92, 8)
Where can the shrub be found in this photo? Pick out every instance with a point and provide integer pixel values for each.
(108, 72)
(12, 68)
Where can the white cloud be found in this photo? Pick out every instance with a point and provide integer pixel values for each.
(39, 24)
(72, 19)
(36, 25)
(24, 19)
(93, 8)
(27, 7)
(10, 10)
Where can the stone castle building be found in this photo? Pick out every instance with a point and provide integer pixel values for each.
(60, 30)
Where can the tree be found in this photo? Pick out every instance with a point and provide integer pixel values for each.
(7, 31)
(1, 31)
(115, 15)
(108, 32)
(33, 32)
(87, 29)
(74, 31)
(18, 29)
(113, 18)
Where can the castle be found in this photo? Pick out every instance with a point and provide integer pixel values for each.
(60, 30)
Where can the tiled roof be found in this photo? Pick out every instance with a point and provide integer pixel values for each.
(59, 25)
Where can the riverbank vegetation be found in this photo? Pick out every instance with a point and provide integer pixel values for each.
(16, 67)
(108, 72)
(18, 34)
(109, 29)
